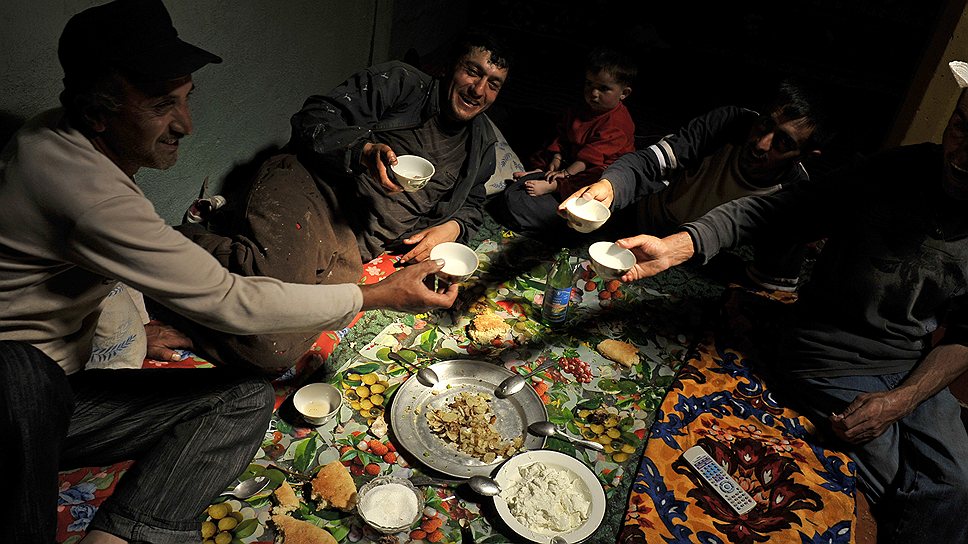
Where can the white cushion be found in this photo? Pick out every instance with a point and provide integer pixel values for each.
(506, 163)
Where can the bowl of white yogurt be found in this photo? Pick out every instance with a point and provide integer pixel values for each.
(547, 493)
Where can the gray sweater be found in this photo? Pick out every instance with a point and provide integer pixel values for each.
(73, 225)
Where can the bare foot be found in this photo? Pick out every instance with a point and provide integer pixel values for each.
(100, 537)
(538, 187)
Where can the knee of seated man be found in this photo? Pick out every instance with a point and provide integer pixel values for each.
(32, 385)
(269, 354)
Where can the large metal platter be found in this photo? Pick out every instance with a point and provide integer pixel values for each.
(408, 415)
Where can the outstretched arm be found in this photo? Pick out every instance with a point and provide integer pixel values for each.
(654, 255)
(405, 290)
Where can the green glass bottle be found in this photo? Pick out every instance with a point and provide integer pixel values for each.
(561, 280)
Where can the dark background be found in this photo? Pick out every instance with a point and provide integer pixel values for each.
(694, 56)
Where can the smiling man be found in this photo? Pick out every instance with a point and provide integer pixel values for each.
(861, 356)
(394, 109)
(727, 153)
(316, 213)
(75, 223)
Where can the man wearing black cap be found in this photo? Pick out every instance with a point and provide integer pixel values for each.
(75, 224)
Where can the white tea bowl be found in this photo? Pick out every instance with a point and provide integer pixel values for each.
(460, 261)
(586, 215)
(317, 403)
(609, 260)
(412, 172)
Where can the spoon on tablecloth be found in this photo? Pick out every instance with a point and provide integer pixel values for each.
(547, 428)
(425, 375)
(513, 384)
(248, 488)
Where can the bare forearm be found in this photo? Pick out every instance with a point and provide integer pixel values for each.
(937, 370)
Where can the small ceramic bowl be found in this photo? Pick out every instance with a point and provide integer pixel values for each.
(586, 215)
(460, 261)
(390, 505)
(317, 403)
(412, 172)
(609, 260)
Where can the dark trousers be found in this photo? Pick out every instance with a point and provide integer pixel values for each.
(289, 227)
(916, 473)
(190, 432)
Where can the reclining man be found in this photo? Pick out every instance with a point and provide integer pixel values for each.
(75, 223)
(859, 358)
(316, 215)
(727, 153)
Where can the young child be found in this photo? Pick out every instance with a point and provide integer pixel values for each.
(590, 136)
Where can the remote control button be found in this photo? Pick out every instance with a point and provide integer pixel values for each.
(727, 487)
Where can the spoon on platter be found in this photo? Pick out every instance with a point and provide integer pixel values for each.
(513, 384)
(425, 375)
(482, 485)
(547, 428)
(248, 488)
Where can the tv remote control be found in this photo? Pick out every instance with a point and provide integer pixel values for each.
(717, 478)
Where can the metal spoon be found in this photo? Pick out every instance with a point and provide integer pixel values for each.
(547, 428)
(513, 384)
(248, 488)
(482, 485)
(558, 540)
(425, 375)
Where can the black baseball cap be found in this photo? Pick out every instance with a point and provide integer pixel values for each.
(134, 36)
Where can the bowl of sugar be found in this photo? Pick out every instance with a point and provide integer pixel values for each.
(390, 505)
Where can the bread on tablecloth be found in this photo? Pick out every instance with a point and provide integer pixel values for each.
(334, 487)
(286, 499)
(622, 353)
(295, 531)
(486, 327)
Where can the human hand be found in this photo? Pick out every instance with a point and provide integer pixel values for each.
(405, 290)
(654, 255)
(428, 238)
(163, 340)
(555, 175)
(601, 191)
(869, 415)
(376, 158)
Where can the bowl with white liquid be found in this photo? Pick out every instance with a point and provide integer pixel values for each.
(317, 403)
(460, 261)
(609, 260)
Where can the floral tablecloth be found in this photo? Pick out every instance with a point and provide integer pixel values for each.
(616, 406)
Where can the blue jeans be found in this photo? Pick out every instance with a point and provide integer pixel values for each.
(190, 432)
(916, 473)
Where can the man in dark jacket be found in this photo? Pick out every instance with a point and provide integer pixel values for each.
(859, 359)
(353, 134)
(727, 153)
(315, 214)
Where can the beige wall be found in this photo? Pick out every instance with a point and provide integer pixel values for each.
(933, 92)
(275, 55)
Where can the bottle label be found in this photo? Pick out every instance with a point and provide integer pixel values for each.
(555, 305)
